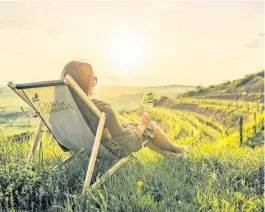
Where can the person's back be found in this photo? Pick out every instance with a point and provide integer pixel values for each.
(123, 141)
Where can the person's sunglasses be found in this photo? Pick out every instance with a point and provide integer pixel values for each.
(95, 80)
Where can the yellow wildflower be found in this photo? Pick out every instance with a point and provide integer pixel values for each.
(139, 184)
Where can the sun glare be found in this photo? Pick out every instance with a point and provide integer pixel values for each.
(124, 53)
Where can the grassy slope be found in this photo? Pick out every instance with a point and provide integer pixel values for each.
(217, 176)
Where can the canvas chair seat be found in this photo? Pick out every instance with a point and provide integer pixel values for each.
(56, 107)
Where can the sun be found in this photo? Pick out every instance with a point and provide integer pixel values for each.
(124, 52)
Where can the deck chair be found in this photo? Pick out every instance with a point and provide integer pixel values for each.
(56, 108)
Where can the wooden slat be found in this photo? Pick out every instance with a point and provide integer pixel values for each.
(109, 173)
(70, 81)
(36, 140)
(113, 169)
(12, 86)
(94, 152)
(70, 158)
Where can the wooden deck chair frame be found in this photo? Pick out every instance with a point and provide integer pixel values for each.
(102, 116)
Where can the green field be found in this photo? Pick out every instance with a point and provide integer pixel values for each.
(218, 175)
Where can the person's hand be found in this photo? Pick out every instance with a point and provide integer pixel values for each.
(145, 119)
(107, 133)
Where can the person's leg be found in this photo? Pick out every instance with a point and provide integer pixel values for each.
(163, 152)
(162, 141)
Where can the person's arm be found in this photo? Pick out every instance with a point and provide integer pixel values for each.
(130, 139)
(145, 120)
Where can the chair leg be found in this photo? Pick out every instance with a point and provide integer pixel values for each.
(113, 169)
(69, 159)
(36, 140)
(109, 173)
(94, 152)
(40, 162)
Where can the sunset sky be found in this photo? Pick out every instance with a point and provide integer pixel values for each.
(134, 43)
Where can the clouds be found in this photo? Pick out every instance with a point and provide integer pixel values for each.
(261, 34)
(257, 42)
(253, 44)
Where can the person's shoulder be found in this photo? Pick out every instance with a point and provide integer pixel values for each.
(97, 101)
(101, 104)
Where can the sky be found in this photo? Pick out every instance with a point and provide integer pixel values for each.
(141, 43)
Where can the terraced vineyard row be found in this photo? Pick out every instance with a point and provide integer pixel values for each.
(228, 104)
(180, 126)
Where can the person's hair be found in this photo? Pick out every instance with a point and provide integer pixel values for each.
(82, 74)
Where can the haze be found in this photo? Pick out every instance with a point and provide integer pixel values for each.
(132, 43)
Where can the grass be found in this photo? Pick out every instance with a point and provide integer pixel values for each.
(226, 178)
(217, 176)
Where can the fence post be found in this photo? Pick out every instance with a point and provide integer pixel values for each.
(255, 120)
(241, 130)
(258, 106)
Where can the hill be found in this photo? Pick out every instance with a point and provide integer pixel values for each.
(250, 88)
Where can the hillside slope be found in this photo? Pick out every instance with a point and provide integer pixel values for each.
(250, 88)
